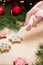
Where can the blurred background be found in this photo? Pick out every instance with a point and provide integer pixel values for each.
(13, 12)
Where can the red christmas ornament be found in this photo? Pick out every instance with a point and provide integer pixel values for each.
(16, 10)
(2, 11)
(20, 61)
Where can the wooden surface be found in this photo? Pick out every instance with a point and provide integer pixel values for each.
(26, 48)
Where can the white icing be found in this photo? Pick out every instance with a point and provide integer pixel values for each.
(31, 21)
(4, 46)
(15, 38)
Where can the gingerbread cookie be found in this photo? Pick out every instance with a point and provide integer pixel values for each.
(20, 61)
(2, 35)
(15, 39)
(4, 47)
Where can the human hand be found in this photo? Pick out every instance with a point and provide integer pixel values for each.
(34, 11)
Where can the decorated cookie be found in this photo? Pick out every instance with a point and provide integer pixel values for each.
(4, 47)
(15, 39)
(20, 61)
(2, 35)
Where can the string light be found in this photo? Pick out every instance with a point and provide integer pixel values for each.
(0, 0)
(4, 0)
(30, 3)
(3, 4)
(22, 1)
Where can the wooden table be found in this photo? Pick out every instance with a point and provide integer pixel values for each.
(26, 48)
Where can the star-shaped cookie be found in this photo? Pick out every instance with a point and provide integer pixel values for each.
(4, 47)
(15, 39)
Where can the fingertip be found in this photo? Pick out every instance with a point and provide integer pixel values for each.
(28, 28)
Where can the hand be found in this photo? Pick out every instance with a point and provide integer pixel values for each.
(34, 11)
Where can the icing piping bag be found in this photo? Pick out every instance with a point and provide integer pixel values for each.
(25, 27)
(40, 13)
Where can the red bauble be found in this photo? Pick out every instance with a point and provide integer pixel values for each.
(2, 11)
(16, 10)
